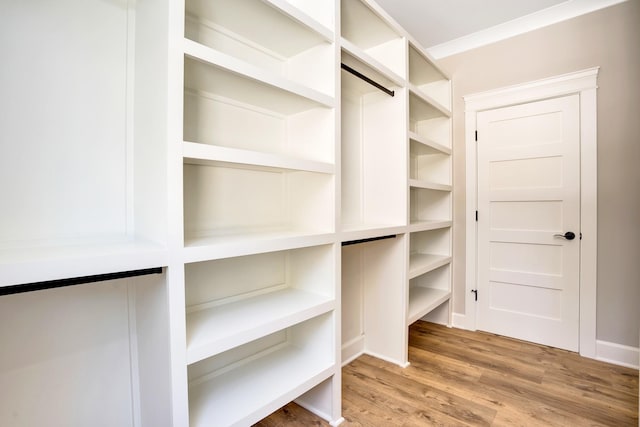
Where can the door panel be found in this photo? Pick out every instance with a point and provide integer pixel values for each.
(528, 192)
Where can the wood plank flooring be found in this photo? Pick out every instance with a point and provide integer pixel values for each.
(463, 378)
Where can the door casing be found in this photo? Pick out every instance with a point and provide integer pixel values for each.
(583, 83)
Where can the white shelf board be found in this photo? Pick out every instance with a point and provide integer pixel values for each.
(428, 146)
(423, 107)
(423, 263)
(282, 29)
(367, 24)
(426, 225)
(428, 99)
(45, 261)
(367, 231)
(428, 185)
(423, 300)
(215, 329)
(373, 68)
(422, 67)
(209, 247)
(299, 16)
(245, 395)
(198, 153)
(235, 79)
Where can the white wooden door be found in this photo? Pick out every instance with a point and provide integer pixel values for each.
(528, 198)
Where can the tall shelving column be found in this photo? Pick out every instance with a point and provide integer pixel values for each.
(83, 161)
(396, 183)
(373, 183)
(261, 277)
(430, 186)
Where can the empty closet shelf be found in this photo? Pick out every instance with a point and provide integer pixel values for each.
(63, 261)
(221, 327)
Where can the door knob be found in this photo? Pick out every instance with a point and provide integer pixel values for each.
(569, 235)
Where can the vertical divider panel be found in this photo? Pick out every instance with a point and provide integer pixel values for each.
(385, 299)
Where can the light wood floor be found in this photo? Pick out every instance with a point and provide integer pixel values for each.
(462, 378)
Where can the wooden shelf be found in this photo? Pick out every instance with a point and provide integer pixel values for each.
(428, 204)
(195, 153)
(245, 396)
(423, 300)
(426, 225)
(359, 59)
(40, 263)
(427, 185)
(423, 107)
(364, 25)
(218, 73)
(427, 146)
(351, 232)
(254, 203)
(423, 263)
(429, 168)
(223, 94)
(313, 23)
(273, 35)
(276, 25)
(252, 381)
(427, 78)
(249, 319)
(203, 247)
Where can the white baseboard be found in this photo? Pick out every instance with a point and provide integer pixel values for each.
(617, 354)
(387, 359)
(352, 350)
(609, 352)
(459, 320)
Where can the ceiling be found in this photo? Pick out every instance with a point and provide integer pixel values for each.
(445, 27)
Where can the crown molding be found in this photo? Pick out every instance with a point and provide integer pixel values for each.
(552, 15)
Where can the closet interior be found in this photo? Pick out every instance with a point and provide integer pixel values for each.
(214, 205)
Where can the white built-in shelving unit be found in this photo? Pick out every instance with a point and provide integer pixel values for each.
(240, 214)
(258, 149)
(396, 183)
(430, 187)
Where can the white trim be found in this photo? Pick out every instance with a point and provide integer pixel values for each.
(543, 18)
(387, 359)
(134, 354)
(564, 84)
(459, 320)
(588, 220)
(351, 350)
(471, 226)
(583, 83)
(617, 354)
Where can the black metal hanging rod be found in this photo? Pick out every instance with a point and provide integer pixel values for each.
(370, 239)
(38, 286)
(367, 79)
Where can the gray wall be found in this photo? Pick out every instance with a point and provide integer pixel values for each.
(609, 38)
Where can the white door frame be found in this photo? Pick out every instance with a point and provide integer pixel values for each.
(583, 83)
